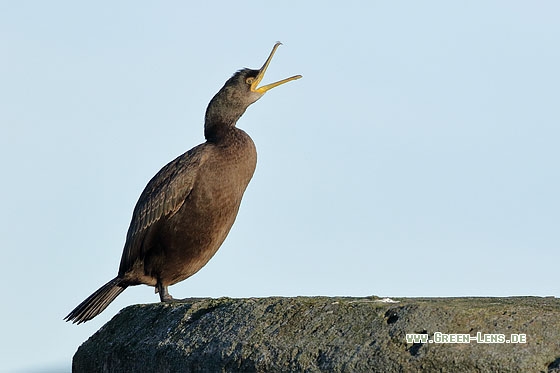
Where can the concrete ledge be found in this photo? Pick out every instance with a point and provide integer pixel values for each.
(325, 334)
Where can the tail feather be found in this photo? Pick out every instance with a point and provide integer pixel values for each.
(97, 302)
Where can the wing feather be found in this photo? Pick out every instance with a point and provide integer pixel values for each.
(163, 196)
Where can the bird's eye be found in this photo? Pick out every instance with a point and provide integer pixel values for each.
(249, 80)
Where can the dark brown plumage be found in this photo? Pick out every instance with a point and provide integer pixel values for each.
(188, 208)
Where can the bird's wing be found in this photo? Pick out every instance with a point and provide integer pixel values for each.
(163, 196)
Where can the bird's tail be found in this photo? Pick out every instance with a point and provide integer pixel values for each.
(97, 302)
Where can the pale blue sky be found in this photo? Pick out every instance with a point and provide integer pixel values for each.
(418, 156)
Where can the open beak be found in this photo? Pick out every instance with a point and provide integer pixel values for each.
(259, 77)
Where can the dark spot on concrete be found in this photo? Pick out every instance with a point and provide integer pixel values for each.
(554, 366)
(392, 316)
(415, 348)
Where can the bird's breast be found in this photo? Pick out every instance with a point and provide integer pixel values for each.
(225, 175)
(194, 234)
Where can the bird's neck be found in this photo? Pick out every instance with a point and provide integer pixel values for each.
(221, 118)
(216, 133)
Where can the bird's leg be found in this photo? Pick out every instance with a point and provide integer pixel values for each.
(164, 295)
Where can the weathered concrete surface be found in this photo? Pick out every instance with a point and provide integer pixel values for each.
(311, 334)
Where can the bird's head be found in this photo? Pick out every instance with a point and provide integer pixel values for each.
(240, 91)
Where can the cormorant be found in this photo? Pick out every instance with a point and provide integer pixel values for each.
(187, 209)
